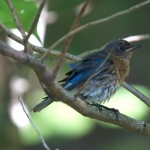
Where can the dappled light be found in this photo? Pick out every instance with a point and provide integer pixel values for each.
(38, 42)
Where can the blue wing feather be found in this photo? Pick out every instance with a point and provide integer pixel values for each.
(80, 73)
(82, 70)
(74, 81)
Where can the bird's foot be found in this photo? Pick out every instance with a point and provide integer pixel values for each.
(101, 107)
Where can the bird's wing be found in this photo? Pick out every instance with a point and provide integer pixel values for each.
(83, 69)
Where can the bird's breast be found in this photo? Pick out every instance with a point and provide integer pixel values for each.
(121, 66)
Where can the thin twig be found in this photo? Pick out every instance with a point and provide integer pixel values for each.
(68, 56)
(136, 93)
(42, 50)
(36, 48)
(47, 51)
(33, 125)
(28, 47)
(100, 21)
(54, 89)
(75, 58)
(10, 34)
(69, 39)
(35, 20)
(16, 18)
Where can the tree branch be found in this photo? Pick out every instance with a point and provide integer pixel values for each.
(16, 18)
(10, 34)
(33, 125)
(71, 57)
(69, 39)
(35, 20)
(136, 93)
(134, 38)
(27, 45)
(100, 21)
(55, 91)
(36, 48)
(75, 58)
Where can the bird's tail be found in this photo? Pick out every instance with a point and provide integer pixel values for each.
(46, 101)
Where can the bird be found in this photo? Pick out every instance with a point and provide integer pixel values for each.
(97, 76)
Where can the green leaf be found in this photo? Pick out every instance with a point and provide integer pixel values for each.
(26, 10)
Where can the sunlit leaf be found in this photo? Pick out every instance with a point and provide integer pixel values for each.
(25, 10)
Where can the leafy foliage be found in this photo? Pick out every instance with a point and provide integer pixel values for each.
(25, 9)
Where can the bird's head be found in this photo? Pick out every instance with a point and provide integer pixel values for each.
(120, 48)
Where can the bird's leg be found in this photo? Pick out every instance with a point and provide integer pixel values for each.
(101, 107)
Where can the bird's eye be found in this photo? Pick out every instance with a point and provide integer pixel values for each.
(122, 48)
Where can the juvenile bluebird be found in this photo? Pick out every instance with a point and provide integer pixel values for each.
(97, 76)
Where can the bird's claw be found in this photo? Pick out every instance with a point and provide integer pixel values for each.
(101, 107)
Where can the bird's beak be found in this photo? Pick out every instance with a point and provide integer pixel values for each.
(135, 47)
(132, 48)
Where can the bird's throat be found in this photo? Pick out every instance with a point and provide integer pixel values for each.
(121, 67)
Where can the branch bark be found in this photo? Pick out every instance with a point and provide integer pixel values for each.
(71, 57)
(96, 22)
(35, 21)
(69, 39)
(53, 89)
(16, 18)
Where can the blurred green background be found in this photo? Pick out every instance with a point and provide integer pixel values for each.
(61, 126)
